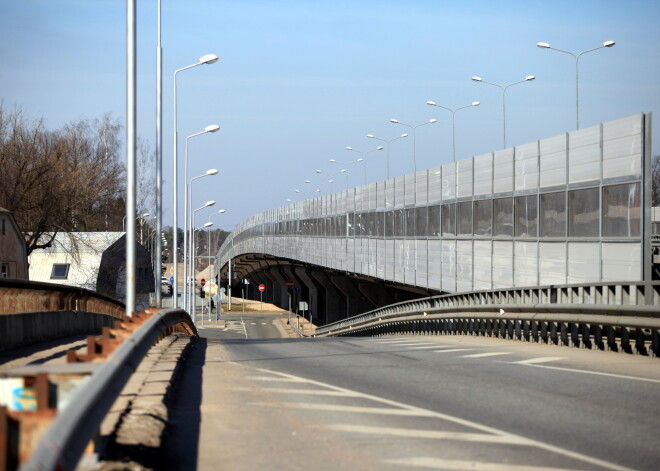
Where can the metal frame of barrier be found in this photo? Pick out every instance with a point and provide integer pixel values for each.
(621, 317)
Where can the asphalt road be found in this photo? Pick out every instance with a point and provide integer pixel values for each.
(251, 399)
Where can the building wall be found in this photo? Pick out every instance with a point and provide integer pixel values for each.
(13, 252)
(567, 209)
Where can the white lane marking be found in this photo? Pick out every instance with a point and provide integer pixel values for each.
(307, 392)
(349, 409)
(264, 323)
(534, 361)
(244, 330)
(424, 347)
(437, 463)
(457, 420)
(451, 350)
(597, 373)
(281, 380)
(429, 434)
(484, 355)
(253, 323)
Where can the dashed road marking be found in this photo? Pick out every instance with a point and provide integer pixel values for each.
(485, 355)
(307, 392)
(452, 350)
(428, 434)
(350, 409)
(596, 373)
(534, 361)
(438, 463)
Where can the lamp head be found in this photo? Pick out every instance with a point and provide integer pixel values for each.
(609, 43)
(529, 77)
(543, 45)
(208, 59)
(433, 120)
(209, 203)
(405, 134)
(318, 171)
(370, 136)
(212, 171)
(308, 181)
(221, 211)
(360, 160)
(476, 79)
(380, 148)
(208, 224)
(395, 121)
(332, 160)
(211, 128)
(145, 215)
(296, 191)
(330, 181)
(432, 103)
(349, 148)
(475, 103)
(343, 170)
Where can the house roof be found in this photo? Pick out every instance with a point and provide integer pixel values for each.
(81, 242)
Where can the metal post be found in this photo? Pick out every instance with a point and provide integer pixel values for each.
(229, 286)
(159, 161)
(131, 138)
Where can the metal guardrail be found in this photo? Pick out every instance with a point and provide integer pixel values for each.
(70, 432)
(606, 316)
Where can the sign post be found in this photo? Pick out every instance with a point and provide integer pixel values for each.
(289, 285)
(262, 288)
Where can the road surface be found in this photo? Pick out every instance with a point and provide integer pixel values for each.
(251, 399)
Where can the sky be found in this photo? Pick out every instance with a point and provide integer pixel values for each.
(299, 81)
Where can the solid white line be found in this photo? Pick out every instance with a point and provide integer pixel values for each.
(484, 355)
(451, 350)
(281, 380)
(457, 420)
(424, 347)
(533, 361)
(438, 463)
(597, 373)
(311, 392)
(428, 434)
(349, 409)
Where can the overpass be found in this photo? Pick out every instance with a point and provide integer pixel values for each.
(574, 208)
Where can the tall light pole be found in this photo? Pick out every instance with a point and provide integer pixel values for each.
(192, 254)
(131, 146)
(387, 142)
(159, 157)
(414, 129)
(503, 88)
(577, 59)
(194, 300)
(207, 59)
(188, 227)
(207, 129)
(363, 159)
(221, 211)
(344, 170)
(453, 121)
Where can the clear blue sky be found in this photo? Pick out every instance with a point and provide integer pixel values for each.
(298, 81)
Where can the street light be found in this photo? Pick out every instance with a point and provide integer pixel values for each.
(192, 245)
(364, 156)
(414, 128)
(371, 136)
(187, 227)
(504, 87)
(577, 58)
(453, 123)
(207, 59)
(208, 129)
(194, 299)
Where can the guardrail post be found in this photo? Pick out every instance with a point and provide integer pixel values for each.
(525, 331)
(625, 340)
(640, 342)
(586, 336)
(655, 343)
(554, 338)
(598, 337)
(611, 339)
(574, 338)
(563, 330)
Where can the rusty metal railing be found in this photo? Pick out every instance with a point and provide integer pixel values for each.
(66, 437)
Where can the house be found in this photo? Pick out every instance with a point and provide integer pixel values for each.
(94, 261)
(13, 251)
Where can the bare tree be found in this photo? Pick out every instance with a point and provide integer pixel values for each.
(655, 181)
(60, 181)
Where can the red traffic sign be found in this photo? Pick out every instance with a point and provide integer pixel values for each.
(262, 287)
(202, 282)
(289, 284)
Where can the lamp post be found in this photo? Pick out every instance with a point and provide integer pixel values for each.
(188, 227)
(159, 154)
(453, 121)
(193, 308)
(364, 156)
(371, 136)
(207, 59)
(577, 59)
(207, 129)
(141, 221)
(221, 211)
(503, 88)
(192, 254)
(344, 170)
(414, 129)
